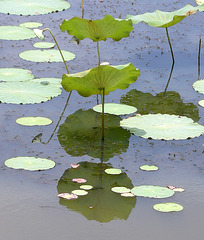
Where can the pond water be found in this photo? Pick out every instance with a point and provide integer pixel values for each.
(29, 205)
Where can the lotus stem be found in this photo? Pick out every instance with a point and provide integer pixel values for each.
(82, 8)
(172, 54)
(199, 50)
(99, 58)
(103, 100)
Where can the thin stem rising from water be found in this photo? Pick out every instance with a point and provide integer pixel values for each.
(99, 58)
(172, 54)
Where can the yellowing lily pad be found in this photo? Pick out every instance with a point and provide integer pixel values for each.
(34, 121)
(15, 33)
(113, 171)
(15, 74)
(120, 190)
(31, 24)
(80, 192)
(44, 44)
(115, 108)
(168, 207)
(149, 168)
(199, 86)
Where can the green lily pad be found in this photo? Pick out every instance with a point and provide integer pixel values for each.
(48, 81)
(80, 192)
(120, 190)
(34, 121)
(31, 24)
(163, 19)
(114, 108)
(44, 45)
(113, 171)
(105, 77)
(201, 103)
(27, 92)
(30, 163)
(30, 7)
(97, 30)
(162, 126)
(86, 187)
(168, 207)
(149, 168)
(46, 55)
(199, 86)
(15, 75)
(15, 33)
(152, 191)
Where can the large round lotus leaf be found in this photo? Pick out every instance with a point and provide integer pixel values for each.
(199, 86)
(114, 108)
(201, 103)
(15, 74)
(163, 19)
(31, 24)
(48, 81)
(162, 126)
(27, 92)
(30, 7)
(169, 103)
(152, 191)
(33, 121)
(44, 44)
(46, 55)
(168, 207)
(80, 135)
(15, 33)
(100, 204)
(105, 77)
(97, 30)
(30, 163)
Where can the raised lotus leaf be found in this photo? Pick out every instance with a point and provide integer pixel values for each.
(15, 33)
(97, 30)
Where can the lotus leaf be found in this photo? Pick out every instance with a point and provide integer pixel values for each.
(15, 74)
(27, 92)
(15, 33)
(199, 2)
(34, 121)
(201, 103)
(46, 55)
(44, 44)
(97, 30)
(48, 81)
(30, 163)
(80, 192)
(149, 168)
(86, 187)
(168, 207)
(114, 108)
(152, 191)
(31, 24)
(113, 171)
(30, 7)
(199, 86)
(120, 190)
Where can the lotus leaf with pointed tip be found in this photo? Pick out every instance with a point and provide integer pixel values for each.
(15, 33)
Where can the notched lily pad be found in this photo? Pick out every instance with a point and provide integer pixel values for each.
(33, 121)
(15, 74)
(115, 108)
(168, 207)
(15, 33)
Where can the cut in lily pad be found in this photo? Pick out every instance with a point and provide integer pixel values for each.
(31, 24)
(79, 180)
(44, 44)
(15, 33)
(15, 74)
(199, 86)
(67, 196)
(168, 207)
(46, 55)
(149, 168)
(30, 163)
(30, 7)
(86, 187)
(120, 190)
(48, 81)
(27, 92)
(201, 103)
(113, 171)
(162, 126)
(114, 108)
(80, 192)
(97, 30)
(152, 191)
(34, 121)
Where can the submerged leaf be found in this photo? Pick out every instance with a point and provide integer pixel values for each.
(168, 207)
(15, 33)
(34, 121)
(114, 108)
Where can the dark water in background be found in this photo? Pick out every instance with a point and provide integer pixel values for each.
(28, 203)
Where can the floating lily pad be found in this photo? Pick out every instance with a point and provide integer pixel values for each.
(44, 44)
(30, 163)
(162, 126)
(120, 190)
(199, 86)
(67, 196)
(86, 187)
(27, 92)
(15, 33)
(31, 24)
(113, 171)
(48, 81)
(168, 207)
(46, 55)
(199, 2)
(149, 168)
(152, 191)
(34, 121)
(114, 108)
(30, 7)
(15, 75)
(201, 103)
(80, 192)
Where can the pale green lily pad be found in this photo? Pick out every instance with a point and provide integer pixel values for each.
(152, 191)
(30, 163)
(44, 45)
(15, 74)
(31, 24)
(27, 92)
(114, 108)
(162, 126)
(120, 190)
(199, 2)
(33, 121)
(199, 86)
(201, 103)
(15, 33)
(48, 81)
(86, 187)
(80, 192)
(163, 19)
(168, 207)
(149, 168)
(46, 55)
(113, 171)
(30, 7)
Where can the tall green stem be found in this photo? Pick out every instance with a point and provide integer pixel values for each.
(172, 54)
(199, 50)
(103, 101)
(82, 8)
(99, 58)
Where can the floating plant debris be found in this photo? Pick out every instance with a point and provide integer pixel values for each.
(168, 207)
(34, 121)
